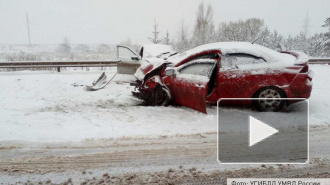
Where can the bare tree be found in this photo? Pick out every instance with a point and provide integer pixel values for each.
(128, 42)
(204, 28)
(103, 48)
(240, 30)
(327, 41)
(272, 40)
(327, 23)
(317, 45)
(64, 47)
(82, 48)
(167, 39)
(183, 42)
(154, 38)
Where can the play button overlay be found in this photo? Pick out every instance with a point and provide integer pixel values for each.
(259, 131)
(247, 136)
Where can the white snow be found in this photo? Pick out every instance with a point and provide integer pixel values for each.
(275, 60)
(193, 78)
(145, 63)
(319, 102)
(152, 50)
(266, 66)
(47, 107)
(238, 47)
(302, 57)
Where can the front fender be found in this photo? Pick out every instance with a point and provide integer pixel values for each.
(153, 82)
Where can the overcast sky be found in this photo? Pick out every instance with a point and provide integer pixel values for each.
(112, 21)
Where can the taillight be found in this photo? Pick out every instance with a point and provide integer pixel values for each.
(304, 69)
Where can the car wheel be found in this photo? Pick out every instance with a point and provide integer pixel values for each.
(273, 101)
(160, 97)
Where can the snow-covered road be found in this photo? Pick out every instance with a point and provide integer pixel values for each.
(49, 106)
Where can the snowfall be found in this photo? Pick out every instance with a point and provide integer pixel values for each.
(47, 106)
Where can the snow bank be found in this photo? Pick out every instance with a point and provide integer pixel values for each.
(319, 102)
(51, 106)
(48, 107)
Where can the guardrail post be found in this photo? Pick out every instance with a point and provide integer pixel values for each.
(58, 69)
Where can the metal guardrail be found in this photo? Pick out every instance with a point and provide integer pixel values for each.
(57, 64)
(319, 61)
(87, 63)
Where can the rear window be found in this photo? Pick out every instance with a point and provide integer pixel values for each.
(233, 60)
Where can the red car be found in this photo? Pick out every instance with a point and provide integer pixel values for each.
(225, 70)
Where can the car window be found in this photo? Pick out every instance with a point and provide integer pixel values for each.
(198, 68)
(209, 55)
(125, 52)
(233, 60)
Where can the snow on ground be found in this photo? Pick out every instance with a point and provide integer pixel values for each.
(319, 102)
(46, 106)
(49, 106)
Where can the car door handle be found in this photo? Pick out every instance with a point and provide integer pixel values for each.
(197, 85)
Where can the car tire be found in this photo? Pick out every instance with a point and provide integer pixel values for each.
(160, 97)
(271, 104)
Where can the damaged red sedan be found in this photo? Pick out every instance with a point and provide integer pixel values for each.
(225, 70)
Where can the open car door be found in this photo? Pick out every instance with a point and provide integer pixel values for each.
(129, 60)
(190, 86)
(190, 94)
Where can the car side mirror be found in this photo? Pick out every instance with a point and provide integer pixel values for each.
(135, 58)
(169, 72)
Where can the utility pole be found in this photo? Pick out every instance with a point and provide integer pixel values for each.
(28, 27)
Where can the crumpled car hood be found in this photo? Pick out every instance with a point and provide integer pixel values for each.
(148, 66)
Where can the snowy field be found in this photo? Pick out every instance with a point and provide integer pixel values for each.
(53, 107)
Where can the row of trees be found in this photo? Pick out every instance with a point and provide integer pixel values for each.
(64, 51)
(204, 31)
(250, 30)
(65, 48)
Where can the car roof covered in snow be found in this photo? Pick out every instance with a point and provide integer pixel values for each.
(237, 47)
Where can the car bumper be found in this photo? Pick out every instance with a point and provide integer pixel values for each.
(301, 87)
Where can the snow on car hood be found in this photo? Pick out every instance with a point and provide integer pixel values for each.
(147, 66)
(150, 60)
(238, 47)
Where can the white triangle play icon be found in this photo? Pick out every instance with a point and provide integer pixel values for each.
(259, 131)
